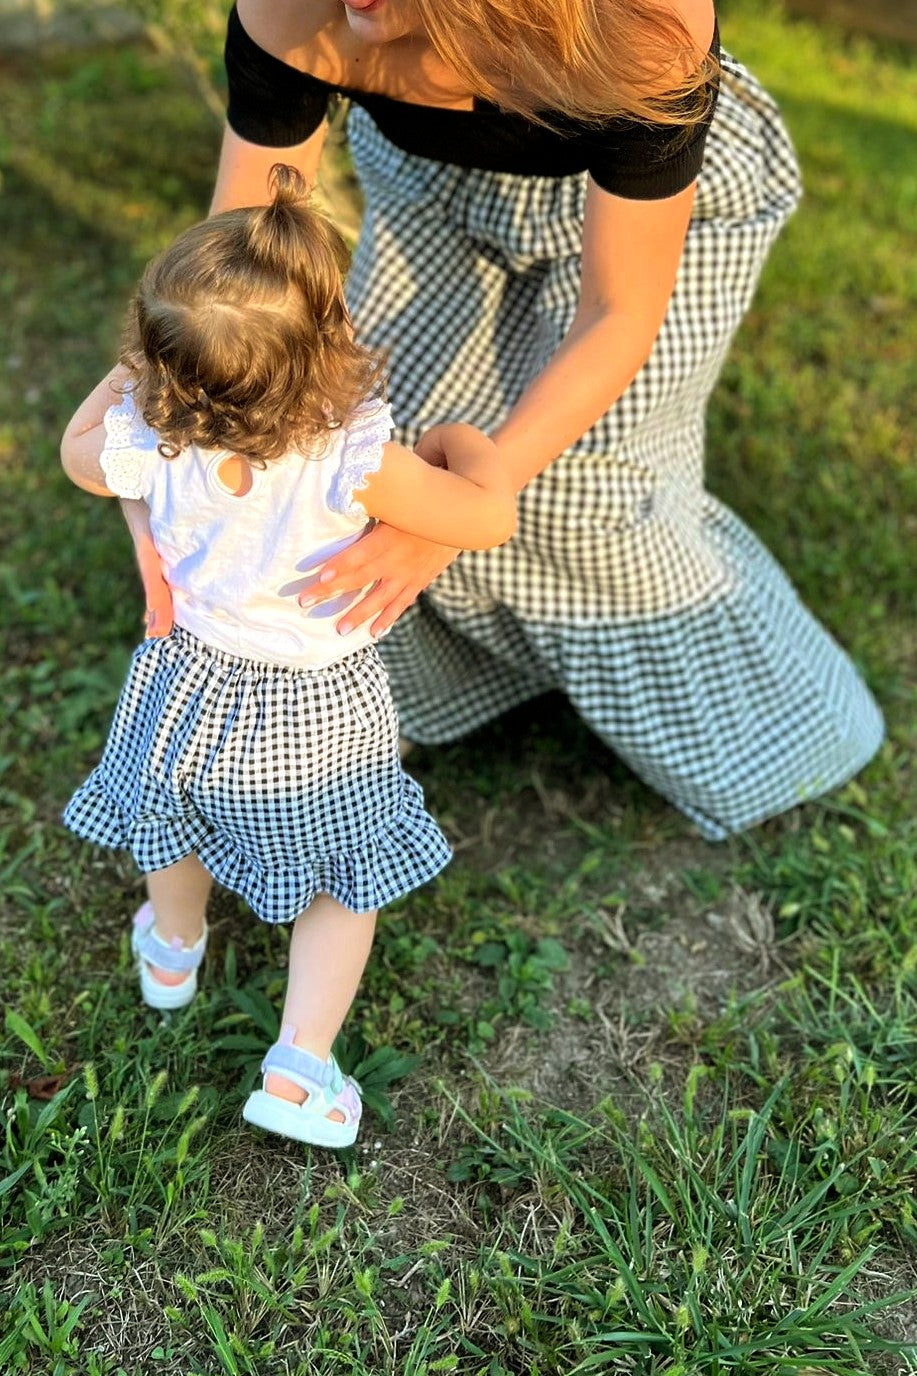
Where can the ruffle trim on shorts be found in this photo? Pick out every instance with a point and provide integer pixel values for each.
(404, 853)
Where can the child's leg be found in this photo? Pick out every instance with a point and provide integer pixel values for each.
(329, 949)
(179, 896)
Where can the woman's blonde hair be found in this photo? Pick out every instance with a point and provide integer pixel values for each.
(238, 337)
(582, 59)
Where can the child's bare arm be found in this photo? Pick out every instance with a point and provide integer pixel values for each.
(81, 450)
(84, 438)
(157, 594)
(467, 502)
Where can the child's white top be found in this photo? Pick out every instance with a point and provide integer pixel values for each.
(237, 562)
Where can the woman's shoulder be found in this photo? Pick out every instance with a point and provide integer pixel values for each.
(294, 33)
(698, 19)
(307, 47)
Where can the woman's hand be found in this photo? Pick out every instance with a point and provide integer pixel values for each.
(398, 565)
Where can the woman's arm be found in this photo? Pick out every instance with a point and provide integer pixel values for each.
(157, 595)
(631, 252)
(244, 168)
(81, 450)
(262, 97)
(630, 256)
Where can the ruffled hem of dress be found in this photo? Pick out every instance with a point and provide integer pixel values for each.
(405, 853)
(735, 712)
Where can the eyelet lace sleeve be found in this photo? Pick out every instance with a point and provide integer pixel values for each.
(368, 433)
(130, 448)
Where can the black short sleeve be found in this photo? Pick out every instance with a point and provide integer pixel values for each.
(647, 162)
(274, 105)
(270, 103)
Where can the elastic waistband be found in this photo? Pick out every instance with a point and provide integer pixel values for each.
(184, 642)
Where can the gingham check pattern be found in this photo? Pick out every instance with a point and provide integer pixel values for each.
(670, 628)
(286, 783)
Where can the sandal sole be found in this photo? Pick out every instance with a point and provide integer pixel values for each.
(166, 998)
(267, 1111)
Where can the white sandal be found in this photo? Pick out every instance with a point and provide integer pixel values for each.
(327, 1089)
(150, 949)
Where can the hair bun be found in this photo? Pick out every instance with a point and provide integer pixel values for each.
(287, 185)
(274, 231)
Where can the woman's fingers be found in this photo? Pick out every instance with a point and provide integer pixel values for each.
(352, 569)
(393, 610)
(396, 565)
(383, 604)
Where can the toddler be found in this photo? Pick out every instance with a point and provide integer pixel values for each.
(252, 744)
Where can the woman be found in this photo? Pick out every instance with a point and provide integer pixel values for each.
(550, 252)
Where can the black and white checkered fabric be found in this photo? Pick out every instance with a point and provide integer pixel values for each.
(285, 782)
(670, 628)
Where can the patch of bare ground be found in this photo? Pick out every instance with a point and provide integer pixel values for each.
(570, 806)
(123, 1319)
(892, 1274)
(623, 981)
(557, 820)
(258, 1181)
(268, 1181)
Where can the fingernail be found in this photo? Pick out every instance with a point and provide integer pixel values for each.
(344, 628)
(327, 576)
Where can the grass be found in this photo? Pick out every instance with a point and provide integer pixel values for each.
(636, 1104)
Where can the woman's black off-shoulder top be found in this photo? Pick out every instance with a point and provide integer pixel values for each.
(277, 106)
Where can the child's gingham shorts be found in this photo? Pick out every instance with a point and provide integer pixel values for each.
(285, 783)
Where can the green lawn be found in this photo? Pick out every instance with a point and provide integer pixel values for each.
(636, 1104)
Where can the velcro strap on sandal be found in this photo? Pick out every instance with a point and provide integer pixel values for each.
(301, 1067)
(165, 955)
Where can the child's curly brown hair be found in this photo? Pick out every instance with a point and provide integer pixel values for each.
(238, 336)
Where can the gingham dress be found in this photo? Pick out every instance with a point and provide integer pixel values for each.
(670, 628)
(283, 778)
